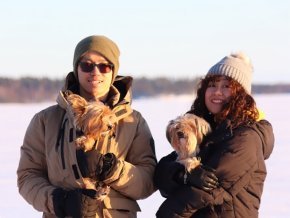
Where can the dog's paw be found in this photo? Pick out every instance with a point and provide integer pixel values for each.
(190, 163)
(89, 183)
(102, 191)
(81, 142)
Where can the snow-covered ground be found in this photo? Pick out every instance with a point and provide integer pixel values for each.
(157, 111)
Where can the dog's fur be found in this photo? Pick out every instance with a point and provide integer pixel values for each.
(185, 133)
(95, 120)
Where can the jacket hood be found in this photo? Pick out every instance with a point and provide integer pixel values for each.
(265, 131)
(120, 91)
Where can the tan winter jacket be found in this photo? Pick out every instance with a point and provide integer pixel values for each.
(48, 156)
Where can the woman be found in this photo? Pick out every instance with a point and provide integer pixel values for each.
(229, 183)
(51, 170)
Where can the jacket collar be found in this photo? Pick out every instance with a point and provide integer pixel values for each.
(120, 90)
(119, 99)
(222, 132)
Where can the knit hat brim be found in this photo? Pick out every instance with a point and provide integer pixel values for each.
(234, 68)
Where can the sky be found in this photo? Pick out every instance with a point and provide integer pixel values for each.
(157, 38)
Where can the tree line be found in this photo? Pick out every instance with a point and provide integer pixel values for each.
(28, 89)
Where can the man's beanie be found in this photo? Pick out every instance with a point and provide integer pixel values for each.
(100, 44)
(236, 66)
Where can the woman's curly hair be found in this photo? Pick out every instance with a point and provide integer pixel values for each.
(240, 109)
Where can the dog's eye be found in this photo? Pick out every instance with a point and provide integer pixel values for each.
(180, 134)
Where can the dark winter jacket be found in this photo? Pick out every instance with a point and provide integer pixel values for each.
(238, 156)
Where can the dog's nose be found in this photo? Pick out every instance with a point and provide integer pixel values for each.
(180, 134)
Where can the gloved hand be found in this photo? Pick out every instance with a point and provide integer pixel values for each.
(75, 203)
(203, 177)
(108, 164)
(95, 165)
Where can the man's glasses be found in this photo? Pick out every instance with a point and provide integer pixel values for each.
(88, 67)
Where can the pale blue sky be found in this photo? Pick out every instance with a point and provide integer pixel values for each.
(174, 38)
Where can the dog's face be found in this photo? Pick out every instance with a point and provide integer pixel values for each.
(97, 119)
(93, 118)
(185, 133)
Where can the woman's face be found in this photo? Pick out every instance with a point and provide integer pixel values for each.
(94, 84)
(217, 94)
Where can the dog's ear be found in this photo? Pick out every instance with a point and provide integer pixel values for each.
(77, 103)
(203, 128)
(169, 130)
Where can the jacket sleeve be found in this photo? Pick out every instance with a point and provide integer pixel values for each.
(133, 176)
(32, 177)
(165, 173)
(242, 154)
(182, 200)
(186, 200)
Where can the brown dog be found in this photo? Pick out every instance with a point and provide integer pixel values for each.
(185, 134)
(95, 120)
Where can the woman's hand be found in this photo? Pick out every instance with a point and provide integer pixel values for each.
(203, 177)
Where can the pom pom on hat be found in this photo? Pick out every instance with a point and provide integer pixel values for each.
(236, 66)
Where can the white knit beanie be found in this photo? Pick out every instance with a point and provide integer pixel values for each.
(236, 66)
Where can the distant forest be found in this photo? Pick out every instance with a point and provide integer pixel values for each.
(27, 89)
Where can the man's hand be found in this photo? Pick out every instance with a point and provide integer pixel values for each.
(75, 203)
(95, 165)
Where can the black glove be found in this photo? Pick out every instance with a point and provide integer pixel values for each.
(75, 203)
(109, 162)
(203, 177)
(95, 165)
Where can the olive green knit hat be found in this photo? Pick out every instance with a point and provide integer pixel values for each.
(236, 66)
(101, 44)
